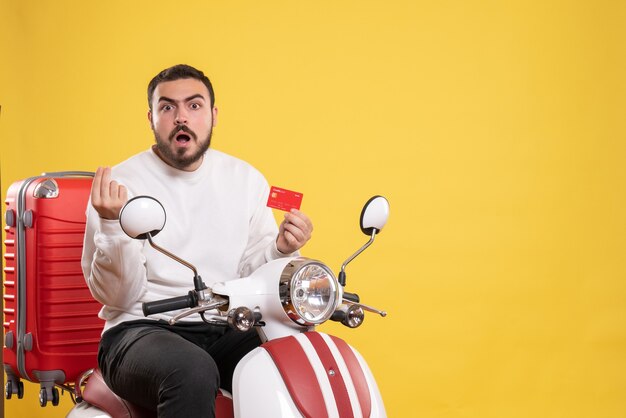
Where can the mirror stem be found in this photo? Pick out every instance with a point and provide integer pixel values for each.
(198, 283)
(342, 273)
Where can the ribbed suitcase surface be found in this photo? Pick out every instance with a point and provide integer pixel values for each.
(50, 318)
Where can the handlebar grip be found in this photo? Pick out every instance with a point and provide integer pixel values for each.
(352, 297)
(171, 304)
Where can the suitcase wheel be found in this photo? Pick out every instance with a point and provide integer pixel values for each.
(43, 397)
(8, 389)
(55, 397)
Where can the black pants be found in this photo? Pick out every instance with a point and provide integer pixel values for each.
(175, 370)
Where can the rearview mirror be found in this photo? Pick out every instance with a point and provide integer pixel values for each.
(142, 216)
(374, 215)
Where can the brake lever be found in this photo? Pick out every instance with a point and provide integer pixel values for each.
(215, 303)
(365, 307)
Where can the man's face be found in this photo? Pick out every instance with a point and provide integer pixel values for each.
(182, 121)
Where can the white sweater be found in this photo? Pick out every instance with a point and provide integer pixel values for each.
(217, 220)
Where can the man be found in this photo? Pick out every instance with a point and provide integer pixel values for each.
(217, 220)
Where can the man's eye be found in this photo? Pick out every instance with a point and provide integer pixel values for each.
(166, 107)
(195, 106)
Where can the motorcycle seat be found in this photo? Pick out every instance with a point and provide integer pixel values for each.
(97, 393)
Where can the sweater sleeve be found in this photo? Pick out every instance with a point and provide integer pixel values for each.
(113, 263)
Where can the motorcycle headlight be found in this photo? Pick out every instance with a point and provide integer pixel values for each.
(309, 291)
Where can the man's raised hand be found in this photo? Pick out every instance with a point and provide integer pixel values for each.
(107, 196)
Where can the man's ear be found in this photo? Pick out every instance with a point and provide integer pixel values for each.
(214, 113)
(150, 118)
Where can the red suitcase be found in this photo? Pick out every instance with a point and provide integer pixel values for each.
(51, 325)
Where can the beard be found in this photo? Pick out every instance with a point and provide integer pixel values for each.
(177, 158)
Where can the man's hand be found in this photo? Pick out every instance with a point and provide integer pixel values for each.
(107, 196)
(294, 232)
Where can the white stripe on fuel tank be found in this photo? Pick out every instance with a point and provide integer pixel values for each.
(347, 378)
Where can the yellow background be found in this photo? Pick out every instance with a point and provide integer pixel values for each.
(495, 128)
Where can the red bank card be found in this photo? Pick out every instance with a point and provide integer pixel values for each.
(284, 199)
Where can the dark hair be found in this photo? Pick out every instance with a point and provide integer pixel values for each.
(176, 73)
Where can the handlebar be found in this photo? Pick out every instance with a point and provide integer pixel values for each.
(172, 304)
(352, 297)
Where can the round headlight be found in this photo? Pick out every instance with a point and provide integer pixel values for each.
(309, 291)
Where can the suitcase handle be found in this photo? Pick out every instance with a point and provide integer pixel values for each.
(69, 174)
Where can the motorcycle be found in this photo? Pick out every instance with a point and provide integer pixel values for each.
(297, 371)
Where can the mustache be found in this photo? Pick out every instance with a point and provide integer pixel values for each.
(183, 128)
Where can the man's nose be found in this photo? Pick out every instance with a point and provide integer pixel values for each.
(181, 117)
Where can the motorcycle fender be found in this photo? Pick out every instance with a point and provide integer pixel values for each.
(259, 390)
(310, 375)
